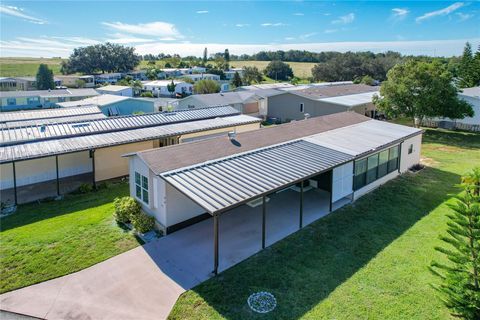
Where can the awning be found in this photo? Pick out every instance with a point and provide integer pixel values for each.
(225, 183)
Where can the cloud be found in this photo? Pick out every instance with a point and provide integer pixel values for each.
(330, 31)
(345, 19)
(241, 25)
(298, 14)
(53, 47)
(269, 24)
(120, 38)
(202, 11)
(441, 12)
(399, 12)
(464, 16)
(289, 38)
(19, 13)
(156, 29)
(308, 35)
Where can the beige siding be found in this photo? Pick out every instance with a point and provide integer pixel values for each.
(247, 127)
(6, 176)
(109, 162)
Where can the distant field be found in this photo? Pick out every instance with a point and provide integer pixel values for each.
(300, 69)
(17, 67)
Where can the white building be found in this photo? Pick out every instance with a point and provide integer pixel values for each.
(203, 76)
(124, 91)
(160, 87)
(229, 74)
(111, 78)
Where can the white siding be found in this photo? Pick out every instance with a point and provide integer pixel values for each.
(408, 160)
(179, 207)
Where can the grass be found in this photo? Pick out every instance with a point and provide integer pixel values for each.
(300, 69)
(17, 67)
(48, 240)
(365, 261)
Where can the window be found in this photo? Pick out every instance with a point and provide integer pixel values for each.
(382, 163)
(393, 159)
(141, 187)
(302, 107)
(372, 164)
(410, 149)
(11, 101)
(360, 174)
(374, 167)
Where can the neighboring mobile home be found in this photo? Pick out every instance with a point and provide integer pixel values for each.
(48, 159)
(159, 88)
(20, 100)
(124, 91)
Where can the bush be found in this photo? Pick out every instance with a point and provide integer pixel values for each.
(143, 222)
(85, 188)
(125, 209)
(147, 94)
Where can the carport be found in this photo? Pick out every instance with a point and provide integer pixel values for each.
(223, 185)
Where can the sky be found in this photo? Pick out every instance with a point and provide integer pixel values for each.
(55, 28)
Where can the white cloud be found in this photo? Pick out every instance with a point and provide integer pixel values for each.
(399, 12)
(298, 14)
(345, 19)
(277, 24)
(63, 46)
(120, 38)
(441, 12)
(330, 31)
(19, 13)
(156, 29)
(289, 38)
(241, 25)
(307, 35)
(202, 11)
(464, 16)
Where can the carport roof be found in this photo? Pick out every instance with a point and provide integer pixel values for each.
(256, 173)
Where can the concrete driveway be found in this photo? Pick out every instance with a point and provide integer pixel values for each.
(144, 283)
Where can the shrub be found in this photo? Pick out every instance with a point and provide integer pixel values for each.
(85, 188)
(147, 94)
(143, 222)
(125, 209)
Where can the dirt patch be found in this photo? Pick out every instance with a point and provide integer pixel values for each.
(429, 162)
(448, 149)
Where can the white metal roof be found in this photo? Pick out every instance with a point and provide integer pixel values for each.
(352, 100)
(50, 93)
(63, 130)
(362, 138)
(47, 113)
(473, 92)
(113, 88)
(39, 149)
(162, 83)
(256, 173)
(100, 100)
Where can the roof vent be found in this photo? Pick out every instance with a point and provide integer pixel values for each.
(43, 128)
(232, 135)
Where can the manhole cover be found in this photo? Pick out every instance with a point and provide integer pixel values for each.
(262, 302)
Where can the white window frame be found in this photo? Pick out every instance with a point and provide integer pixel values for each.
(141, 188)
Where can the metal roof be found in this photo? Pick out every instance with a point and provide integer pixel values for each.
(257, 173)
(362, 138)
(352, 100)
(44, 121)
(10, 136)
(99, 100)
(49, 93)
(39, 149)
(47, 113)
(113, 88)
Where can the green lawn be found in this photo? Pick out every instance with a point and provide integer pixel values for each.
(365, 261)
(51, 239)
(17, 67)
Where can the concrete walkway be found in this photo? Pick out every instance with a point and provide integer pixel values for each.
(144, 283)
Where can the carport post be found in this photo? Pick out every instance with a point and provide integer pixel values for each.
(301, 206)
(331, 190)
(14, 183)
(264, 213)
(92, 155)
(58, 176)
(215, 244)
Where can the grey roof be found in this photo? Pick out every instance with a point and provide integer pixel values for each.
(64, 130)
(45, 148)
(217, 99)
(47, 113)
(49, 93)
(334, 90)
(36, 122)
(256, 173)
(352, 100)
(473, 92)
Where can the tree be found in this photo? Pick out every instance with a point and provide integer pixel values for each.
(218, 72)
(152, 73)
(206, 86)
(466, 70)
(460, 275)
(278, 70)
(237, 80)
(418, 90)
(205, 56)
(171, 87)
(103, 58)
(220, 63)
(251, 75)
(79, 83)
(368, 80)
(226, 56)
(45, 78)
